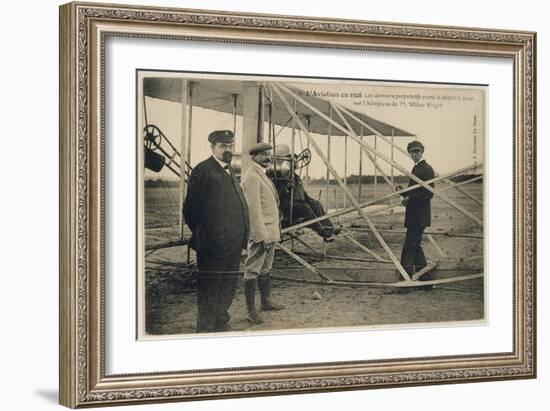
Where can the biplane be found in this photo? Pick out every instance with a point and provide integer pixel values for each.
(268, 107)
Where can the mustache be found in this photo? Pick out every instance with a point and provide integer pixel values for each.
(227, 156)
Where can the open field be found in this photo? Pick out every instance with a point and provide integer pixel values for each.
(171, 301)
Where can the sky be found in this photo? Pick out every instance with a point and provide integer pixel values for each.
(447, 119)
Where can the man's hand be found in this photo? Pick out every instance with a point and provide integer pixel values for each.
(268, 243)
(405, 201)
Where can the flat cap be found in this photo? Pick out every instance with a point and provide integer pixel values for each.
(258, 148)
(221, 136)
(415, 145)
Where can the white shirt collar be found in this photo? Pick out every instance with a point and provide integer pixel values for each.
(419, 161)
(221, 163)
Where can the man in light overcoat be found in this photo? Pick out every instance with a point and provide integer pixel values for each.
(265, 231)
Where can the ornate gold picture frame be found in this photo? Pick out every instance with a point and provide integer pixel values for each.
(86, 378)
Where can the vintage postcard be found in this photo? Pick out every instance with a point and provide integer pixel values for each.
(279, 204)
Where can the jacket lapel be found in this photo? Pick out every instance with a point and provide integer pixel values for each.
(233, 180)
(217, 166)
(268, 181)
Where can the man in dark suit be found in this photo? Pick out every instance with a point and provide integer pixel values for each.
(215, 210)
(418, 211)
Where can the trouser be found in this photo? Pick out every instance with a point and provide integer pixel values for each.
(308, 211)
(259, 260)
(412, 256)
(216, 289)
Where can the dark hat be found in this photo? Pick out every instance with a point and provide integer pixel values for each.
(221, 136)
(258, 148)
(415, 146)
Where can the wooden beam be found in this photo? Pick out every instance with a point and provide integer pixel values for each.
(303, 262)
(389, 182)
(470, 180)
(368, 147)
(392, 158)
(168, 244)
(360, 170)
(440, 281)
(400, 284)
(429, 267)
(435, 245)
(345, 167)
(346, 258)
(261, 113)
(415, 178)
(363, 124)
(305, 244)
(346, 191)
(327, 177)
(235, 103)
(308, 119)
(189, 123)
(369, 155)
(362, 247)
(376, 165)
(375, 171)
(292, 170)
(250, 105)
(373, 202)
(445, 233)
(183, 151)
(461, 190)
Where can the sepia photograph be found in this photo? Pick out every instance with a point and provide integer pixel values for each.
(282, 204)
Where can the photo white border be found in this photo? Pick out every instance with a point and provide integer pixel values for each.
(140, 218)
(124, 354)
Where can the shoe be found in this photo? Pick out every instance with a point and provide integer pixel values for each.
(425, 287)
(222, 328)
(327, 235)
(254, 318)
(329, 239)
(425, 277)
(265, 294)
(336, 230)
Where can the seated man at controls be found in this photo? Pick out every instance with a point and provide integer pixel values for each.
(303, 206)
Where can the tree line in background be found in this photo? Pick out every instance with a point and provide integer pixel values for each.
(352, 179)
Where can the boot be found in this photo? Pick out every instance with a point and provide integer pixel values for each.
(265, 292)
(327, 235)
(425, 277)
(250, 296)
(336, 230)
